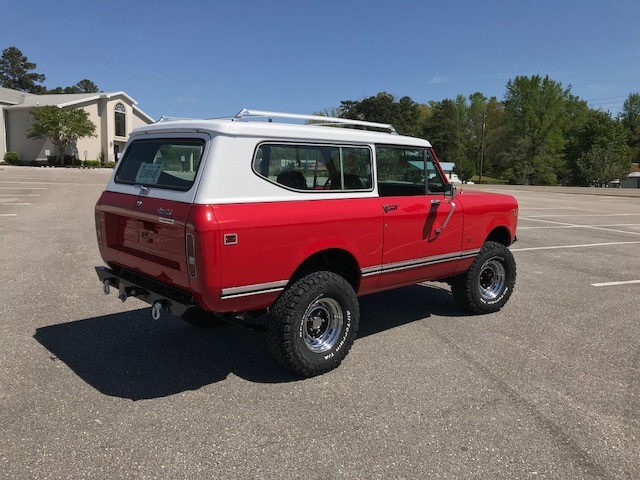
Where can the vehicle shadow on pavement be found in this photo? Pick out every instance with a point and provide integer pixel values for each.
(129, 355)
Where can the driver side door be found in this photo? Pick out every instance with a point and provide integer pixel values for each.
(422, 235)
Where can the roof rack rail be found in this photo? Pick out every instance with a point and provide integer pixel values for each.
(164, 118)
(244, 113)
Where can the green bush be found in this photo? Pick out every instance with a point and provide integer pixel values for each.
(54, 160)
(12, 158)
(110, 164)
(91, 163)
(72, 161)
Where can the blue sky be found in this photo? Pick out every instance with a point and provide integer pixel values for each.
(208, 59)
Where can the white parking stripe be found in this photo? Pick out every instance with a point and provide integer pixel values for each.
(8, 214)
(55, 183)
(524, 207)
(19, 194)
(580, 226)
(547, 221)
(23, 188)
(574, 225)
(585, 215)
(557, 247)
(15, 204)
(611, 284)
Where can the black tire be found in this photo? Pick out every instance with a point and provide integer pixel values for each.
(488, 283)
(313, 324)
(201, 318)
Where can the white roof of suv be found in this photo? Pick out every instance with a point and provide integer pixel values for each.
(242, 125)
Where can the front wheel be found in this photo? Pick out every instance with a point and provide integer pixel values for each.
(312, 326)
(488, 283)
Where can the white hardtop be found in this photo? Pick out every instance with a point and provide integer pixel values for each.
(241, 126)
(226, 174)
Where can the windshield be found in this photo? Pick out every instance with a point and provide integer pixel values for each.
(162, 163)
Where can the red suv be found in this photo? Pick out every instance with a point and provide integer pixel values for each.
(233, 217)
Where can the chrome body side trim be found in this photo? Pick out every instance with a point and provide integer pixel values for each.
(418, 262)
(255, 289)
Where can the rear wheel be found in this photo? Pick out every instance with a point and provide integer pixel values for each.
(312, 326)
(488, 283)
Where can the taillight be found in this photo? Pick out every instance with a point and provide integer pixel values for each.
(99, 229)
(191, 255)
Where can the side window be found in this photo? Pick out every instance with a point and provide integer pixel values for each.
(314, 168)
(400, 171)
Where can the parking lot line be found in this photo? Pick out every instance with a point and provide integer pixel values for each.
(19, 194)
(585, 215)
(579, 226)
(557, 247)
(612, 284)
(15, 204)
(23, 188)
(8, 214)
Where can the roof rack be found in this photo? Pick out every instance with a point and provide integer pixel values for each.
(244, 113)
(164, 118)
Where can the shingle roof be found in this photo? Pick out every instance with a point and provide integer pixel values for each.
(14, 99)
(31, 100)
(11, 97)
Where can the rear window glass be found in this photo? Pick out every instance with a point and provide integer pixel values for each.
(315, 168)
(170, 163)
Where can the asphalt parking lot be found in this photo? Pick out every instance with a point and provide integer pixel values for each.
(547, 388)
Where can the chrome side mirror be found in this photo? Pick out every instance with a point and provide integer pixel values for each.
(449, 192)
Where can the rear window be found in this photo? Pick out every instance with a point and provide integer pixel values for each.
(169, 163)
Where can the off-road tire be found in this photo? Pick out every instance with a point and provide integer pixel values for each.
(318, 300)
(201, 318)
(488, 283)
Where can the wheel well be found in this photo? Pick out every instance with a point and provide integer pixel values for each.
(332, 260)
(500, 235)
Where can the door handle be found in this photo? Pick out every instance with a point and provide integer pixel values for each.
(388, 208)
(435, 202)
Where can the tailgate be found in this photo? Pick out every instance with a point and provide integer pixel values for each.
(145, 235)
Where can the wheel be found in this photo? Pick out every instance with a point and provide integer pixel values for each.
(313, 324)
(201, 318)
(488, 283)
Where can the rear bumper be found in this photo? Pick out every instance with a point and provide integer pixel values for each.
(150, 291)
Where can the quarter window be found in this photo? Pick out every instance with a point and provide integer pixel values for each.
(120, 120)
(315, 168)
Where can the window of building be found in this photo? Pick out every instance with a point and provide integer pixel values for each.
(315, 167)
(121, 120)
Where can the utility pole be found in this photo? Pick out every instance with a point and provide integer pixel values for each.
(484, 124)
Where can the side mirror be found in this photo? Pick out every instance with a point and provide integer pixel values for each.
(449, 192)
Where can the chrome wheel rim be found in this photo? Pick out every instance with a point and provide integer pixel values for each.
(492, 279)
(322, 324)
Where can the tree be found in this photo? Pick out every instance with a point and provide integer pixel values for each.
(383, 108)
(83, 86)
(601, 164)
(15, 72)
(599, 140)
(448, 130)
(630, 117)
(536, 110)
(62, 126)
(86, 86)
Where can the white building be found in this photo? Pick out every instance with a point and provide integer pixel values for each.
(114, 115)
